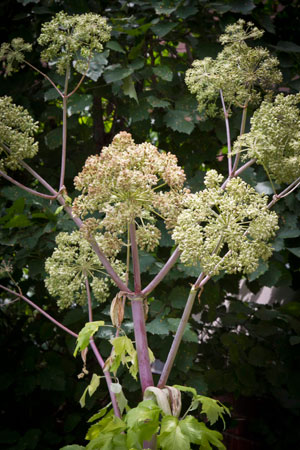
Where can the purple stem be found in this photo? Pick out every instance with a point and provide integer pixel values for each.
(25, 188)
(138, 316)
(162, 273)
(64, 132)
(227, 134)
(45, 76)
(58, 324)
(177, 339)
(98, 355)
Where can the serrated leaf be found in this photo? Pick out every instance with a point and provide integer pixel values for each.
(97, 65)
(158, 326)
(85, 334)
(117, 74)
(163, 72)
(198, 433)
(213, 409)
(161, 29)
(179, 121)
(129, 89)
(114, 45)
(171, 436)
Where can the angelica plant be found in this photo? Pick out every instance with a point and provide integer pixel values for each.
(227, 227)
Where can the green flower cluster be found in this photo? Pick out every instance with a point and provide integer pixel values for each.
(72, 261)
(225, 230)
(16, 130)
(240, 71)
(66, 37)
(122, 184)
(13, 54)
(274, 139)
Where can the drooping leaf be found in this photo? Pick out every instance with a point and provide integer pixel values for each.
(129, 89)
(91, 389)
(85, 334)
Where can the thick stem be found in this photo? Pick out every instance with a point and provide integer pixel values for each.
(31, 303)
(177, 339)
(135, 260)
(64, 131)
(141, 344)
(162, 273)
(138, 316)
(227, 134)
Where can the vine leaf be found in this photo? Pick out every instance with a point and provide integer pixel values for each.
(85, 334)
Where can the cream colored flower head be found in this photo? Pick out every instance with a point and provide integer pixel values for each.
(225, 230)
(72, 262)
(66, 37)
(12, 54)
(240, 71)
(121, 184)
(17, 128)
(274, 138)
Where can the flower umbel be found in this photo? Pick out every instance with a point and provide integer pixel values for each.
(121, 184)
(225, 230)
(13, 54)
(66, 36)
(17, 128)
(240, 71)
(71, 263)
(274, 138)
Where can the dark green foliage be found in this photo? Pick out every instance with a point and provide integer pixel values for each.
(137, 85)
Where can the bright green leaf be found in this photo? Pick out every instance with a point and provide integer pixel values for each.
(85, 334)
(171, 436)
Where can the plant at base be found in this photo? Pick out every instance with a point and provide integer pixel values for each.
(274, 139)
(121, 183)
(225, 229)
(72, 262)
(67, 36)
(16, 134)
(240, 71)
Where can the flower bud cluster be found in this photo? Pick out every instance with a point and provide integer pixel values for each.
(240, 71)
(274, 138)
(122, 182)
(16, 134)
(72, 261)
(225, 230)
(13, 54)
(68, 36)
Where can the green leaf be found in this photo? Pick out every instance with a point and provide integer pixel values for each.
(262, 268)
(53, 139)
(213, 409)
(73, 447)
(117, 74)
(143, 423)
(198, 433)
(158, 326)
(162, 29)
(85, 334)
(129, 89)
(286, 46)
(114, 45)
(91, 389)
(18, 221)
(295, 251)
(186, 389)
(171, 436)
(163, 72)
(157, 102)
(79, 104)
(179, 121)
(188, 335)
(51, 94)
